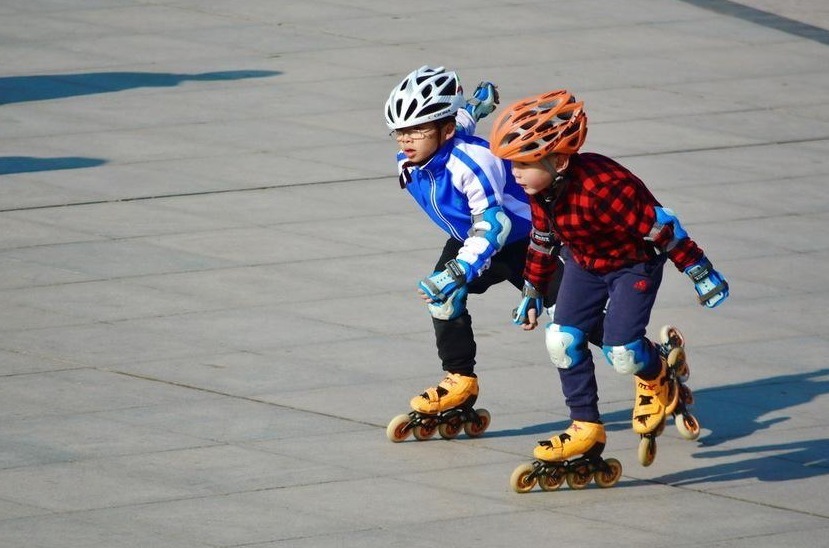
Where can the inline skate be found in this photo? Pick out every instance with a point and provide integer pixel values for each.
(667, 395)
(445, 409)
(573, 456)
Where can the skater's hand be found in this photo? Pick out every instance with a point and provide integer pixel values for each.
(440, 285)
(527, 312)
(711, 286)
(483, 101)
(532, 320)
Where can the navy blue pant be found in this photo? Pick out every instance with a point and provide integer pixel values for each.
(628, 295)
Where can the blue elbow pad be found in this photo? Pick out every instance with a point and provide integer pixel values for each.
(667, 230)
(487, 236)
(494, 225)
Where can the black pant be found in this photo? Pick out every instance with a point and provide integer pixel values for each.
(455, 340)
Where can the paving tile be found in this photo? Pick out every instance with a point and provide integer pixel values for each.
(209, 312)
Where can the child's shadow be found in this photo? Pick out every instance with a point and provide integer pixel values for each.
(786, 461)
(739, 410)
(735, 411)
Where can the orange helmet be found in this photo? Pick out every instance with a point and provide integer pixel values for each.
(535, 127)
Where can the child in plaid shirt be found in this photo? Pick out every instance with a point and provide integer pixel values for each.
(615, 238)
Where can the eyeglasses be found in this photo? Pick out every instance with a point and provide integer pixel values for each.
(415, 134)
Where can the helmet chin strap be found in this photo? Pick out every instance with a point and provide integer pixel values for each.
(549, 164)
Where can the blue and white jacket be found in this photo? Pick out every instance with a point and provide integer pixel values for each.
(457, 186)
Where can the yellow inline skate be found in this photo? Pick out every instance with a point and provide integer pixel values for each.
(664, 396)
(445, 409)
(573, 456)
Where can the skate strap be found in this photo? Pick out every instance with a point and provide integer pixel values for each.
(551, 443)
(719, 288)
(433, 394)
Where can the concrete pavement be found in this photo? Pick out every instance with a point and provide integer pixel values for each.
(208, 310)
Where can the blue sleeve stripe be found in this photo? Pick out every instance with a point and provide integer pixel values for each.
(479, 173)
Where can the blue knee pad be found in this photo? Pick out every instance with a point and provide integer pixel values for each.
(630, 358)
(567, 345)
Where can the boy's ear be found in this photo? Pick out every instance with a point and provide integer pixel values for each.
(561, 162)
(447, 129)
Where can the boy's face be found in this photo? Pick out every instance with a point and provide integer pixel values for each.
(420, 142)
(533, 178)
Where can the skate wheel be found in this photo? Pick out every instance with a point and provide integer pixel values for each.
(676, 359)
(521, 480)
(425, 431)
(398, 429)
(688, 426)
(669, 334)
(665, 334)
(580, 477)
(677, 356)
(609, 476)
(647, 450)
(450, 430)
(476, 430)
(551, 482)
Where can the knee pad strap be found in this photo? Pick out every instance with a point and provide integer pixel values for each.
(630, 358)
(567, 345)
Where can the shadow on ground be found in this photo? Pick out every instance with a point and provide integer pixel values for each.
(28, 164)
(728, 413)
(19, 89)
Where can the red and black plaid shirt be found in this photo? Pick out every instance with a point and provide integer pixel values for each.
(605, 216)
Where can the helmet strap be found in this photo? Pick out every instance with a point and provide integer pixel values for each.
(556, 166)
(405, 175)
(549, 166)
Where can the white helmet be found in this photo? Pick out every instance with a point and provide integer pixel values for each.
(425, 95)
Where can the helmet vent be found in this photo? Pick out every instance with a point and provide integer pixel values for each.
(519, 119)
(430, 109)
(449, 87)
(549, 105)
(410, 110)
(545, 126)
